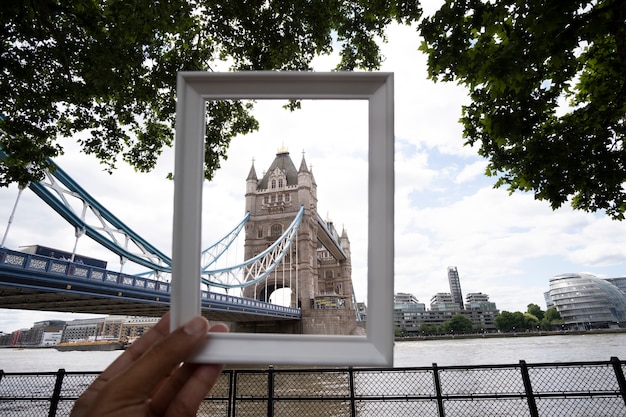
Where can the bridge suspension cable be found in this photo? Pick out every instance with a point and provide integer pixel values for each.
(211, 254)
(255, 269)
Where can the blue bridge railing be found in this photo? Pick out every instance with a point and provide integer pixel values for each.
(38, 269)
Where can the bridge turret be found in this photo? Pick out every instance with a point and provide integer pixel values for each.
(252, 183)
(346, 266)
(307, 188)
(345, 242)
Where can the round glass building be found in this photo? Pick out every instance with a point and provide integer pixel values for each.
(588, 302)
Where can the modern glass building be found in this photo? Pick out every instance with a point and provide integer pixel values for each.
(455, 286)
(588, 302)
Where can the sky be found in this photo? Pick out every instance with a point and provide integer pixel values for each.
(447, 212)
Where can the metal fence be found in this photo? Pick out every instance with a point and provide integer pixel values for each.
(572, 389)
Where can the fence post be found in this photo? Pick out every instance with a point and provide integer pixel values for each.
(621, 381)
(352, 399)
(270, 391)
(56, 394)
(530, 396)
(438, 390)
(232, 389)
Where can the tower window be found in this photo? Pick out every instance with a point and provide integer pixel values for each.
(273, 184)
(277, 230)
(280, 183)
(259, 233)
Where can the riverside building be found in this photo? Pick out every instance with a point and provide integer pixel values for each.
(43, 334)
(410, 315)
(587, 302)
(49, 333)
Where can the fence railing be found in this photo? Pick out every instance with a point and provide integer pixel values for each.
(573, 389)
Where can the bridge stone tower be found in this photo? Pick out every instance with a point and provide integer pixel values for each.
(318, 268)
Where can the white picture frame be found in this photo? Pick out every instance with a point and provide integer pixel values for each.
(193, 90)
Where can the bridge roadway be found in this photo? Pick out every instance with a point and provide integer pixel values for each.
(35, 282)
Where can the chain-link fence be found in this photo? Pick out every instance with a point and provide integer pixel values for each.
(573, 389)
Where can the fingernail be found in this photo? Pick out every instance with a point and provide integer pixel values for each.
(197, 325)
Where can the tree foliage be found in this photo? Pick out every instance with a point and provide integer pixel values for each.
(429, 329)
(107, 69)
(535, 310)
(522, 60)
(458, 324)
(552, 314)
(516, 321)
(533, 319)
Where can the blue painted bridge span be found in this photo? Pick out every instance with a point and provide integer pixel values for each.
(35, 282)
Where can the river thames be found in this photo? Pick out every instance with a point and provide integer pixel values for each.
(478, 351)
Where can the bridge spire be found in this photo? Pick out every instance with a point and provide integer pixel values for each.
(252, 173)
(303, 168)
(282, 150)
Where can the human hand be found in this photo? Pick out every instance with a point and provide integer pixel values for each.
(148, 378)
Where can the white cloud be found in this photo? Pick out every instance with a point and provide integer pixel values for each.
(470, 172)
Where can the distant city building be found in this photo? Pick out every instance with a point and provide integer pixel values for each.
(407, 312)
(49, 339)
(409, 315)
(135, 327)
(455, 286)
(405, 298)
(443, 301)
(42, 334)
(479, 301)
(52, 332)
(112, 327)
(123, 328)
(10, 339)
(47, 332)
(585, 301)
(619, 283)
(82, 329)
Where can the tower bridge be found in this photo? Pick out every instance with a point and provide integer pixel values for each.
(287, 246)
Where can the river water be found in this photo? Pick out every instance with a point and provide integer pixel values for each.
(510, 350)
(479, 351)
